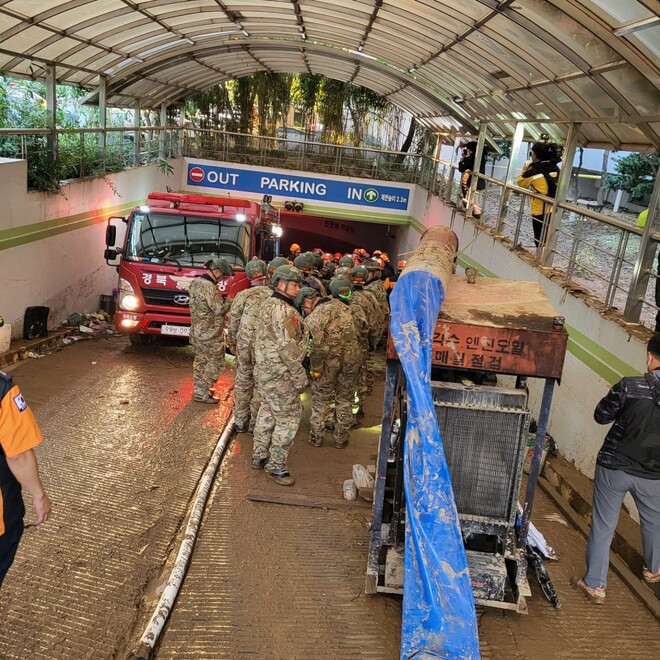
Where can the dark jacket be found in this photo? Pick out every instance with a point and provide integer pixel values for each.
(467, 163)
(633, 442)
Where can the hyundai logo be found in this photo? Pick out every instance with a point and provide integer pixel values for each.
(181, 300)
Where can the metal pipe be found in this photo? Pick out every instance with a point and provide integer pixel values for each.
(156, 624)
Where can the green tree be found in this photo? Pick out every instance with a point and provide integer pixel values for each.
(493, 157)
(364, 105)
(331, 102)
(305, 93)
(635, 173)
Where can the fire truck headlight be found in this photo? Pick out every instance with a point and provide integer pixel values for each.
(128, 301)
(241, 217)
(129, 323)
(276, 231)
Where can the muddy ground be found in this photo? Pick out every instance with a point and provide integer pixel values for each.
(124, 449)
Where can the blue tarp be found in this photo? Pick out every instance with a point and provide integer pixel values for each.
(439, 619)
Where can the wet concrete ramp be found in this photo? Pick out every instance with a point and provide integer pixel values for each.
(283, 580)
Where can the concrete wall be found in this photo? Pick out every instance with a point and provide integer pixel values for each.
(51, 246)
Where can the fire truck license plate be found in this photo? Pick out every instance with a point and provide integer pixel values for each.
(176, 330)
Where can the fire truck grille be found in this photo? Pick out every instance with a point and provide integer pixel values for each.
(166, 298)
(484, 432)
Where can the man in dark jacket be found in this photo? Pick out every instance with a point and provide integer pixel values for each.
(629, 461)
(466, 167)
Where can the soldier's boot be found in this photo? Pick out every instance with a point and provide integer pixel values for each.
(241, 426)
(281, 477)
(315, 438)
(206, 398)
(341, 442)
(257, 463)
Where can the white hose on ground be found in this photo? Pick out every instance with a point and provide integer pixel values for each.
(168, 597)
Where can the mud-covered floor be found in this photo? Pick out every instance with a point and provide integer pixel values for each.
(124, 449)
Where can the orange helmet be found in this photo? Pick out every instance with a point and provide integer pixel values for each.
(377, 253)
(338, 256)
(295, 248)
(401, 264)
(327, 257)
(384, 256)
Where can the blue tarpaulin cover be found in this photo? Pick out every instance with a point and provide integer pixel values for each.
(439, 619)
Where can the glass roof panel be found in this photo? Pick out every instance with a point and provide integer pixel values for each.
(617, 12)
(577, 37)
(648, 41)
(646, 100)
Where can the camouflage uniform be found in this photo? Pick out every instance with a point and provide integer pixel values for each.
(316, 283)
(208, 311)
(368, 302)
(279, 348)
(334, 353)
(243, 321)
(378, 289)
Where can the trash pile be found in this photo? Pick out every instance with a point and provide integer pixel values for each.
(89, 324)
(362, 483)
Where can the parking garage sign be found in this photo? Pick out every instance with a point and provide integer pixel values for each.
(298, 187)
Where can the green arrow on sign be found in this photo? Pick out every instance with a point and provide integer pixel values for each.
(371, 195)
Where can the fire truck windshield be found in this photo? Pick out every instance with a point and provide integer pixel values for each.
(186, 240)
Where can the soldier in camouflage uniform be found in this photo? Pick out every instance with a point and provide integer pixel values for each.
(243, 321)
(369, 303)
(280, 345)
(305, 262)
(208, 311)
(333, 356)
(376, 286)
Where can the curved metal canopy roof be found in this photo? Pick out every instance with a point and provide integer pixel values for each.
(451, 64)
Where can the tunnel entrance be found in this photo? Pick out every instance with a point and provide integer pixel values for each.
(335, 234)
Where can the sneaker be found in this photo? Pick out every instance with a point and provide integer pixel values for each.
(649, 577)
(281, 477)
(258, 463)
(594, 594)
(206, 398)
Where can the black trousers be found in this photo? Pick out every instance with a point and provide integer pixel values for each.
(538, 222)
(8, 546)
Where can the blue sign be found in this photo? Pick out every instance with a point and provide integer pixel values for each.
(296, 187)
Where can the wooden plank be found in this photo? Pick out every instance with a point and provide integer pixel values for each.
(309, 501)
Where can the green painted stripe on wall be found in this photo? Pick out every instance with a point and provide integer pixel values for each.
(56, 222)
(607, 365)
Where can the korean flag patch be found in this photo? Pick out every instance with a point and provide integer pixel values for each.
(20, 402)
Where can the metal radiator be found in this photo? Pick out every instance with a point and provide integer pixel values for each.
(484, 433)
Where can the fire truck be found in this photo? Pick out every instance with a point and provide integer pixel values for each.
(166, 244)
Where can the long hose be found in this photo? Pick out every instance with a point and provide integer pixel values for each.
(145, 646)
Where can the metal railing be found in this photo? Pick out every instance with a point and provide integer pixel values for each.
(591, 250)
(595, 252)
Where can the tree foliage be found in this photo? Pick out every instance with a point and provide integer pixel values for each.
(635, 173)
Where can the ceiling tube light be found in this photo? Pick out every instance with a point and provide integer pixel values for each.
(245, 33)
(209, 35)
(361, 54)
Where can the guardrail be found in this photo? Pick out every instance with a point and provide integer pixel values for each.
(598, 252)
(593, 250)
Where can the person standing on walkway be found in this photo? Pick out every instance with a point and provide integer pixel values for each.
(19, 435)
(280, 346)
(242, 327)
(541, 175)
(208, 312)
(628, 462)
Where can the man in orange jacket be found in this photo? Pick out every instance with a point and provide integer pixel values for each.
(19, 434)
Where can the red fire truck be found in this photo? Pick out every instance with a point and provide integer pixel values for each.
(167, 242)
